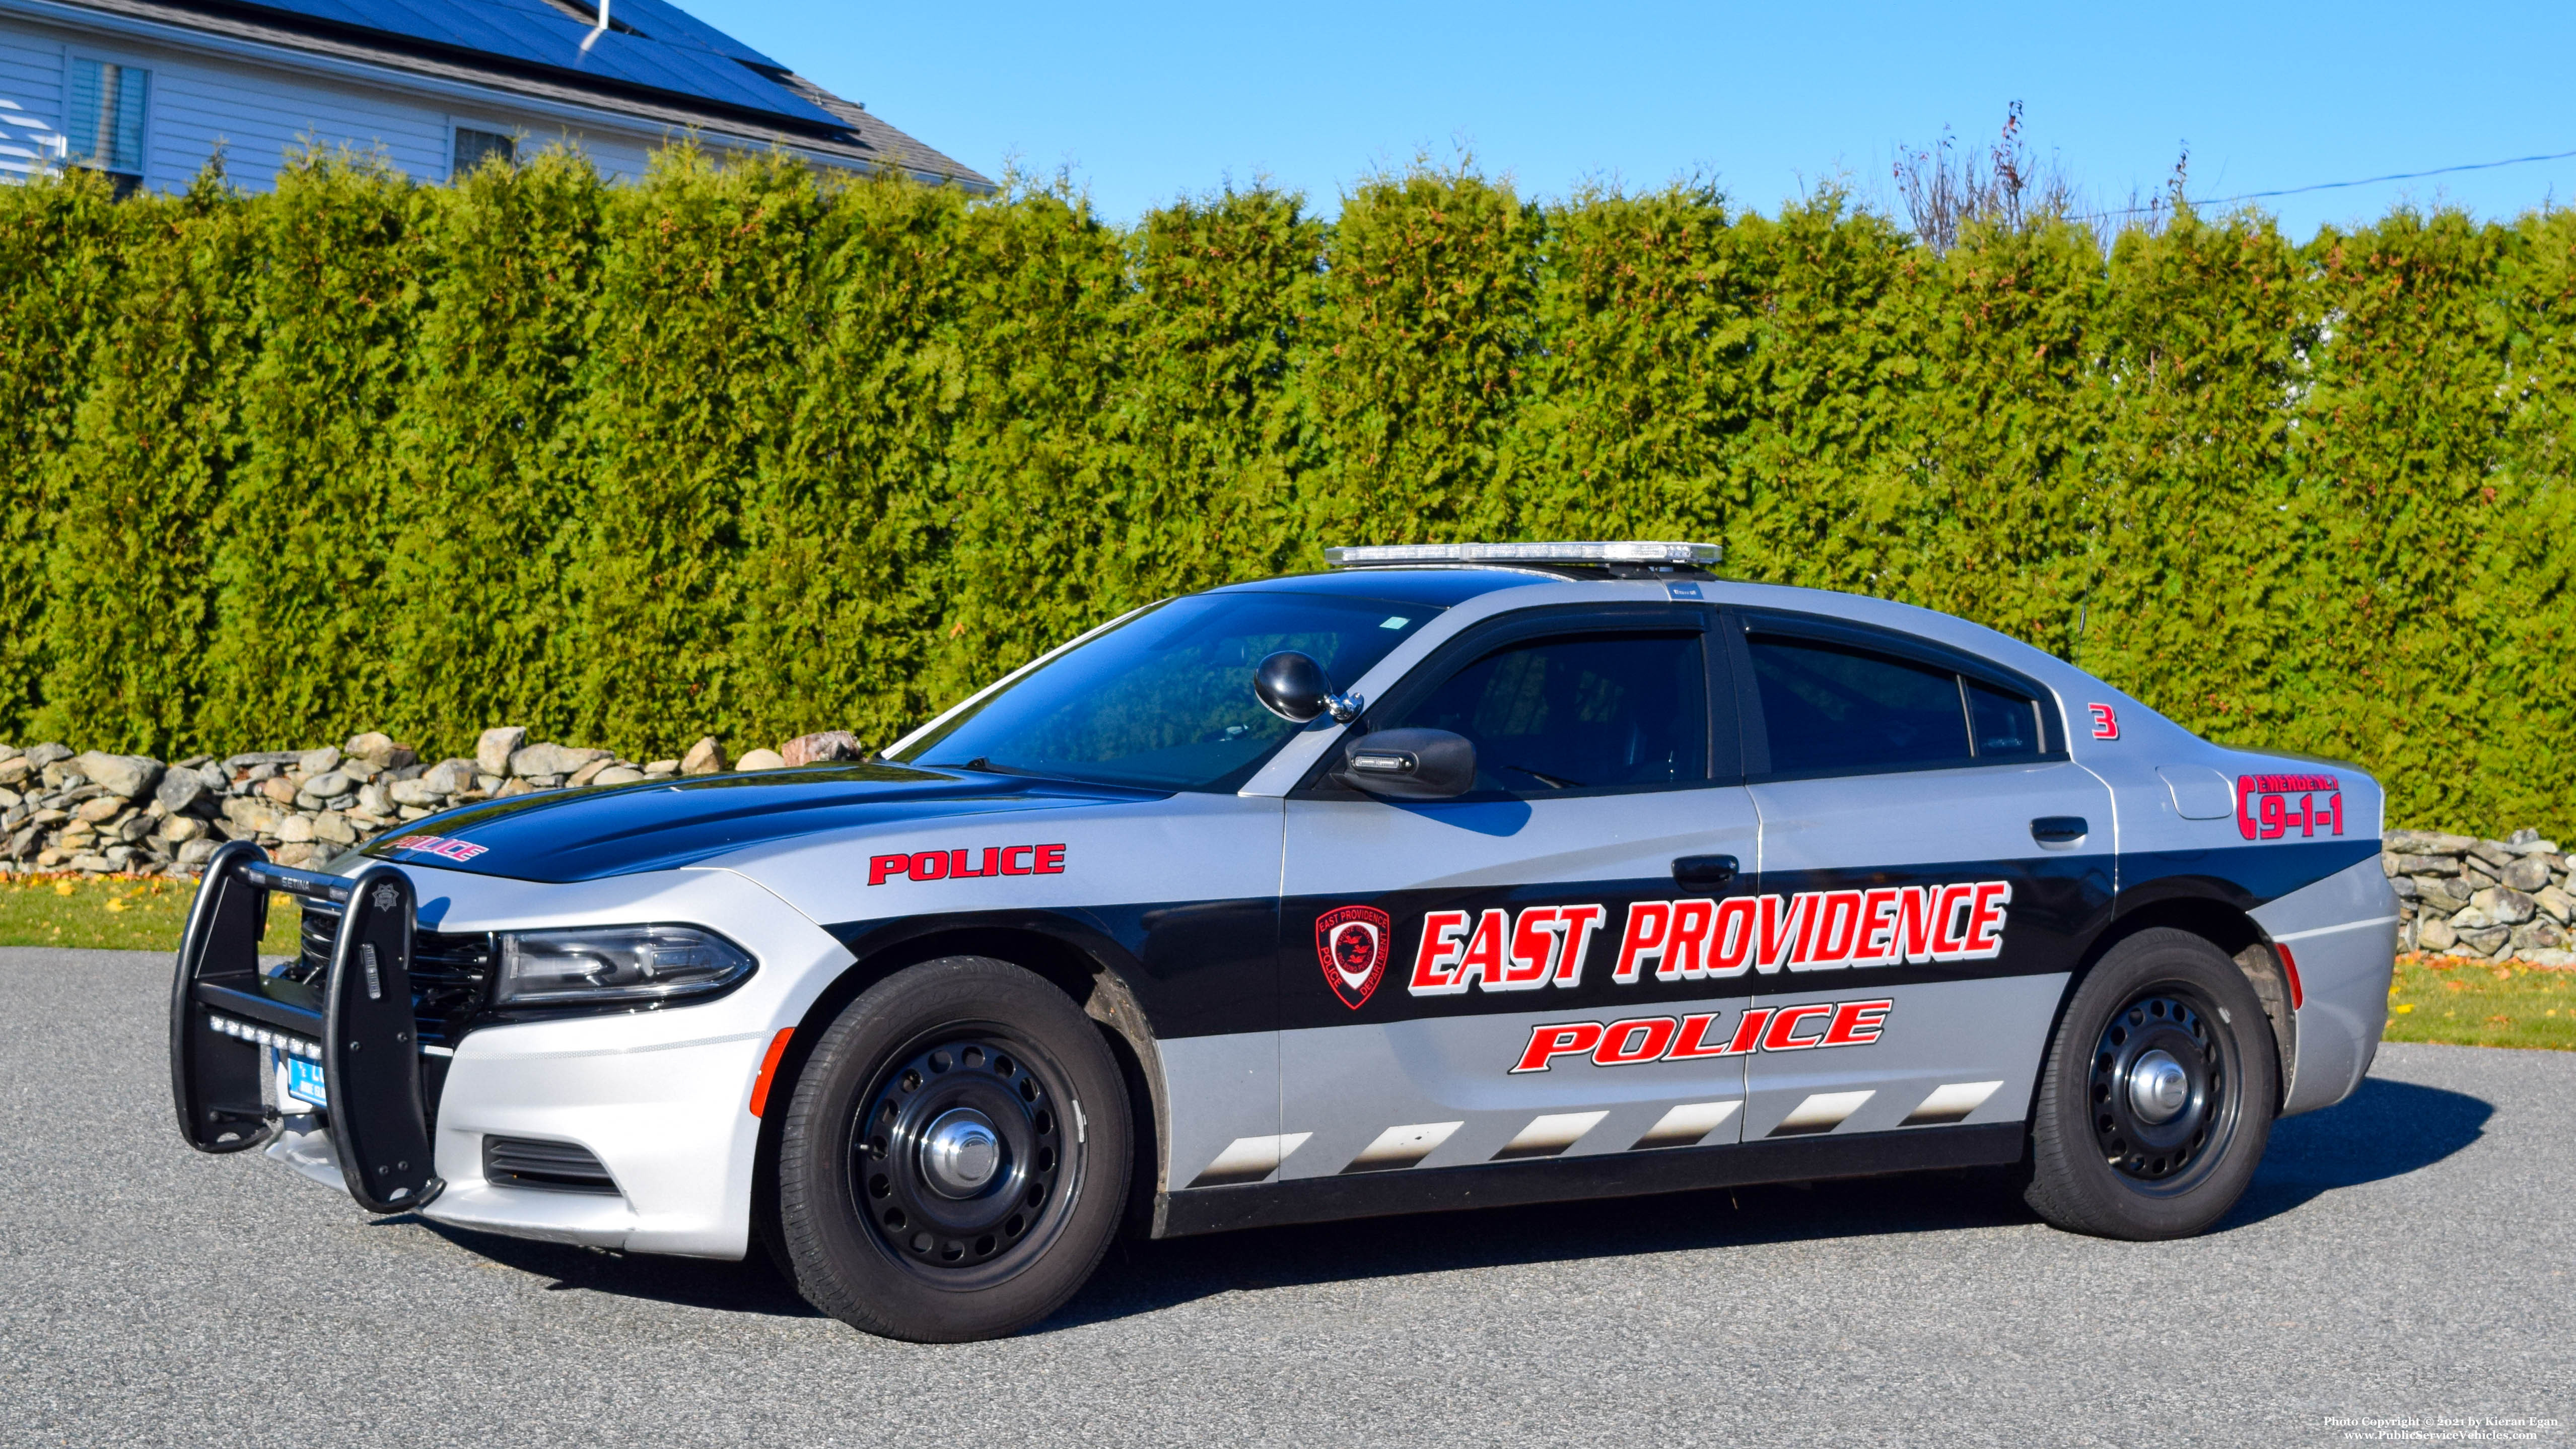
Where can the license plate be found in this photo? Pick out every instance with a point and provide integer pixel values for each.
(304, 1081)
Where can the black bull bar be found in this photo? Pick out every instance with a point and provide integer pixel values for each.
(225, 1014)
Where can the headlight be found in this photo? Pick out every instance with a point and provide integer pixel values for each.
(598, 964)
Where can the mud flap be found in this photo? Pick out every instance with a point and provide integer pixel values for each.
(370, 1059)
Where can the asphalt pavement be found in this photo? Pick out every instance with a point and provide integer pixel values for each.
(2404, 1259)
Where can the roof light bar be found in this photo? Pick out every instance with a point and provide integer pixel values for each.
(1380, 555)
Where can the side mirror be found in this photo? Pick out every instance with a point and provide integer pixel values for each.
(1292, 686)
(1409, 764)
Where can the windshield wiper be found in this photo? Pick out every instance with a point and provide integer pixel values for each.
(985, 764)
(1550, 781)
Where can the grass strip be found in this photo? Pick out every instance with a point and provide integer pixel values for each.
(122, 913)
(2464, 1001)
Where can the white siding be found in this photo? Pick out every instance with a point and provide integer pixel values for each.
(262, 112)
(31, 100)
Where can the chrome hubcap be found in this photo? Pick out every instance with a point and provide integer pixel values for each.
(960, 1153)
(2158, 1087)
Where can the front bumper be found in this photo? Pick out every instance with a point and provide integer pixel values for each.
(651, 1107)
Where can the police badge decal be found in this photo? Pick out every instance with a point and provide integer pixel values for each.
(1350, 944)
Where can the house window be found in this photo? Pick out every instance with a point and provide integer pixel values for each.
(104, 123)
(474, 147)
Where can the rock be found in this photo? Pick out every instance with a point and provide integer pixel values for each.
(659, 768)
(334, 827)
(617, 775)
(413, 792)
(2420, 864)
(178, 829)
(94, 864)
(375, 799)
(14, 771)
(105, 807)
(551, 759)
(2405, 888)
(2471, 918)
(2555, 904)
(135, 827)
(195, 853)
(278, 788)
(823, 745)
(2485, 942)
(2527, 874)
(492, 751)
(131, 776)
(489, 784)
(50, 816)
(2425, 842)
(414, 812)
(449, 777)
(590, 772)
(296, 852)
(513, 787)
(317, 762)
(181, 790)
(327, 784)
(2503, 904)
(761, 760)
(543, 782)
(50, 857)
(2449, 891)
(48, 752)
(706, 757)
(2539, 935)
(2494, 852)
(379, 751)
(295, 828)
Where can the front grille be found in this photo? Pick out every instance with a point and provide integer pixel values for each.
(450, 974)
(551, 1166)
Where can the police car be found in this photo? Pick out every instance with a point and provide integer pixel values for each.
(1454, 876)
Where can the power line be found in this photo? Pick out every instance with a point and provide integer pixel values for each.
(2340, 185)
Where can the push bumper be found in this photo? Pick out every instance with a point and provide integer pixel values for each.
(355, 1025)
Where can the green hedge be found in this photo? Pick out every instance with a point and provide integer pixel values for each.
(737, 451)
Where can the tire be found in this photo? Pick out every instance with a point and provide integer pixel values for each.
(954, 1159)
(2102, 1161)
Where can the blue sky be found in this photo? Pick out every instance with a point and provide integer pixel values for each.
(1141, 103)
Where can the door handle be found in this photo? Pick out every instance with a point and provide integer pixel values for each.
(2059, 829)
(1707, 870)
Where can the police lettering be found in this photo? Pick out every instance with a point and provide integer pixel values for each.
(1705, 939)
(1805, 1027)
(967, 864)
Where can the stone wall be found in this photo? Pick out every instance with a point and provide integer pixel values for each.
(96, 813)
(2458, 895)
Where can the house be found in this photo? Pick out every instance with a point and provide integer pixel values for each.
(148, 90)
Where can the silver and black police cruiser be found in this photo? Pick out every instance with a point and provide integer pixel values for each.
(1459, 875)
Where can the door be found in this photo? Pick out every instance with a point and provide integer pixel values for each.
(1935, 864)
(1467, 981)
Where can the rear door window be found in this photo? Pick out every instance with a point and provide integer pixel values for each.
(1833, 708)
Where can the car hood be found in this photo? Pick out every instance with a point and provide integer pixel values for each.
(588, 834)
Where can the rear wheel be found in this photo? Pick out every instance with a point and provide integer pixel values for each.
(952, 1163)
(2157, 1100)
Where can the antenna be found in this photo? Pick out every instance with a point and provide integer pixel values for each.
(596, 31)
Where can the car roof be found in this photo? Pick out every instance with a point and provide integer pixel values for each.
(1436, 585)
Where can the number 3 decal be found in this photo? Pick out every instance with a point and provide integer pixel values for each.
(2106, 725)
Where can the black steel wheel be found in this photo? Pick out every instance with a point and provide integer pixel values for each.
(954, 1156)
(959, 1159)
(2157, 1098)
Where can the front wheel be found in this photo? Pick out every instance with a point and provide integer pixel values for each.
(2157, 1099)
(953, 1159)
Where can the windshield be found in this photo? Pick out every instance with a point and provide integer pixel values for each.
(1165, 700)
